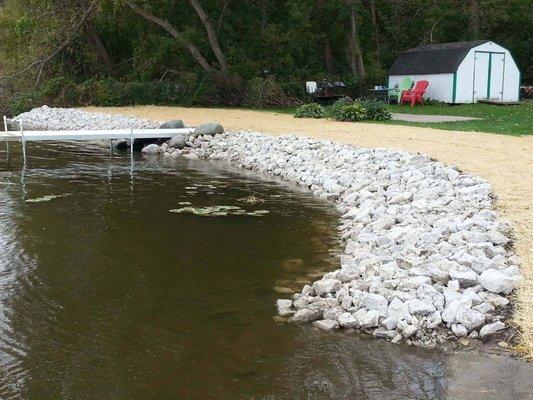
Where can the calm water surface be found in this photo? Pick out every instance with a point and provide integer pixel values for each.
(104, 294)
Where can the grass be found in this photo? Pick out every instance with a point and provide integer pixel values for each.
(508, 120)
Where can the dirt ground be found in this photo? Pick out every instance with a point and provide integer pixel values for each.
(504, 161)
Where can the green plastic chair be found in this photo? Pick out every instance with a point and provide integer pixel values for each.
(396, 92)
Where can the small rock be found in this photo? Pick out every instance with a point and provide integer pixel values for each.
(471, 319)
(372, 301)
(459, 330)
(382, 333)
(326, 324)
(390, 323)
(491, 329)
(370, 320)
(306, 315)
(420, 307)
(347, 320)
(325, 286)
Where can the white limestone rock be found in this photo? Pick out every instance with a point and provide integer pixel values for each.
(497, 282)
(325, 286)
(326, 324)
(491, 329)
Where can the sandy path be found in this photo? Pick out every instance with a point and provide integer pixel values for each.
(504, 161)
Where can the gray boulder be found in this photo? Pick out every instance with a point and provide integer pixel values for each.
(178, 141)
(210, 129)
(174, 124)
(151, 149)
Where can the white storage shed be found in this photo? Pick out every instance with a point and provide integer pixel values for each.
(461, 72)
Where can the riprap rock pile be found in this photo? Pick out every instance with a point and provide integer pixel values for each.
(423, 247)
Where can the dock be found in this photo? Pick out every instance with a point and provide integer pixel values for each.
(23, 136)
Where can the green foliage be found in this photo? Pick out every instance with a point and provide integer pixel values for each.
(61, 92)
(272, 47)
(376, 111)
(311, 110)
(351, 112)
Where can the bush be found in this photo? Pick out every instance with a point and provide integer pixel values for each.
(351, 112)
(376, 111)
(311, 110)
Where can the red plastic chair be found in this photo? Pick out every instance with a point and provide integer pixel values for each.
(415, 95)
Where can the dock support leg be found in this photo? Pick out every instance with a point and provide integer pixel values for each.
(23, 141)
(7, 143)
(111, 148)
(131, 144)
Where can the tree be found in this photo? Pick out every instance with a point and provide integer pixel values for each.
(355, 55)
(473, 19)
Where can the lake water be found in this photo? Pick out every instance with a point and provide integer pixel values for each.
(105, 294)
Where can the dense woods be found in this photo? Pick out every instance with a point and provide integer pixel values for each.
(255, 53)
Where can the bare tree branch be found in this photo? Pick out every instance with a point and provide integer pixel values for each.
(199, 58)
(211, 35)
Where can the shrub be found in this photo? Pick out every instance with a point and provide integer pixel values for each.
(376, 111)
(311, 110)
(351, 112)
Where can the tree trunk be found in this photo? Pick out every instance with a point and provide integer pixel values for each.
(356, 58)
(372, 6)
(473, 22)
(211, 35)
(326, 45)
(199, 58)
(264, 16)
(99, 46)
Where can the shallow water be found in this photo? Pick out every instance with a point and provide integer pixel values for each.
(105, 294)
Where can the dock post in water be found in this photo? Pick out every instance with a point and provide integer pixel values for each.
(131, 143)
(7, 143)
(23, 141)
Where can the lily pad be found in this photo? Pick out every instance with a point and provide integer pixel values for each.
(217, 211)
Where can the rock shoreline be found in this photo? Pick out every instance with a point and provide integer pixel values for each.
(425, 257)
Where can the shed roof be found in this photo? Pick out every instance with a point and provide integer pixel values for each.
(439, 58)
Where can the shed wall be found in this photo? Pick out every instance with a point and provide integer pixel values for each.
(440, 85)
(466, 77)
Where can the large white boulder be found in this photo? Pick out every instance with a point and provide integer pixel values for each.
(497, 282)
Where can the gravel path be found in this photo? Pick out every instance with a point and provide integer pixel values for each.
(429, 118)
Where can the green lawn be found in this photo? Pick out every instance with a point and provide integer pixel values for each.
(509, 120)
